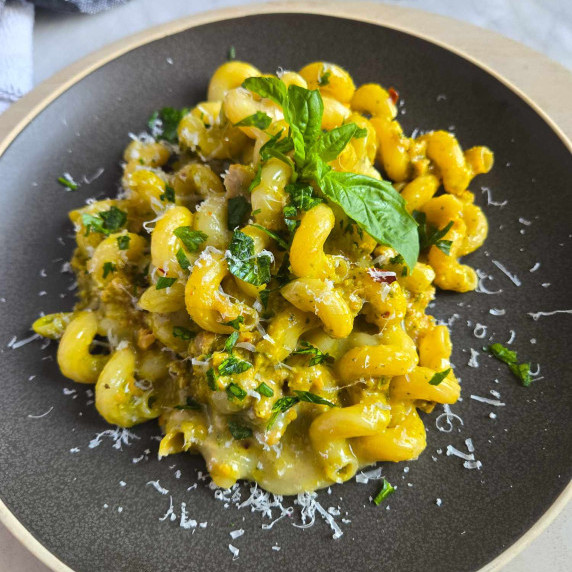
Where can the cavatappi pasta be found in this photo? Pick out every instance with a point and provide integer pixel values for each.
(260, 287)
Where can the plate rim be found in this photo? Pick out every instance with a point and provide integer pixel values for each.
(20, 114)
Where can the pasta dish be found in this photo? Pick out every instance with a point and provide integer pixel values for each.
(260, 283)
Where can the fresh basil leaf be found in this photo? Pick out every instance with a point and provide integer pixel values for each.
(192, 239)
(238, 212)
(259, 120)
(239, 431)
(244, 263)
(377, 208)
(312, 398)
(183, 333)
(182, 259)
(265, 390)
(108, 268)
(385, 491)
(164, 282)
(439, 377)
(123, 242)
(303, 112)
(235, 391)
(269, 87)
(333, 142)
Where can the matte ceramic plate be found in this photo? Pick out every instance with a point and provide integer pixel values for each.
(88, 496)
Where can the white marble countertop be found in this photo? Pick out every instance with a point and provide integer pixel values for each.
(545, 25)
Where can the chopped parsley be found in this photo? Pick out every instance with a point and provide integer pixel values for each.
(520, 370)
(183, 333)
(284, 403)
(385, 491)
(168, 195)
(123, 242)
(235, 323)
(256, 181)
(302, 196)
(168, 118)
(234, 391)
(164, 282)
(259, 120)
(105, 222)
(108, 268)
(317, 355)
(231, 341)
(429, 236)
(239, 431)
(182, 259)
(192, 239)
(244, 263)
(265, 390)
(324, 78)
(238, 212)
(232, 365)
(439, 377)
(280, 241)
(212, 377)
(68, 182)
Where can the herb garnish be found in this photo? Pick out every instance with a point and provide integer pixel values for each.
(244, 263)
(284, 403)
(439, 377)
(123, 241)
(231, 53)
(239, 431)
(68, 182)
(105, 222)
(429, 236)
(265, 390)
(235, 391)
(183, 333)
(232, 365)
(318, 356)
(374, 205)
(108, 267)
(238, 212)
(182, 259)
(169, 119)
(385, 491)
(231, 341)
(168, 195)
(280, 241)
(235, 323)
(520, 370)
(164, 282)
(258, 119)
(192, 239)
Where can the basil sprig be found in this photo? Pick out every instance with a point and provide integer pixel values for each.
(374, 205)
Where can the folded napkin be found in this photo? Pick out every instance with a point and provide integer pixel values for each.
(16, 25)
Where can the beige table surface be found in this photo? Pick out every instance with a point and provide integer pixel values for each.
(545, 25)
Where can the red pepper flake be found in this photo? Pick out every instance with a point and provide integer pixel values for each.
(382, 276)
(393, 95)
(161, 271)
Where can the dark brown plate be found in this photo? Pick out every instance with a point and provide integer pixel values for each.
(70, 501)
